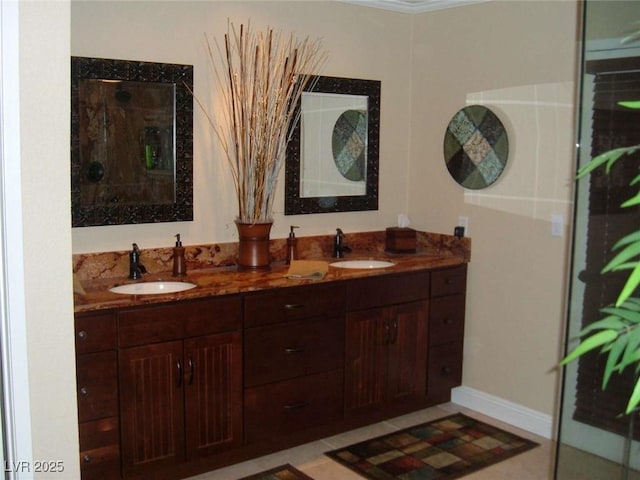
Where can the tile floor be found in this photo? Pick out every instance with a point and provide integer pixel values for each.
(536, 464)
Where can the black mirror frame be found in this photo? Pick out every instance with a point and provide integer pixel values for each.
(182, 77)
(294, 204)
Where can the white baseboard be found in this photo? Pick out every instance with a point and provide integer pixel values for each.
(504, 410)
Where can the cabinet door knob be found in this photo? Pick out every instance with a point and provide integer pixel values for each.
(294, 350)
(84, 391)
(447, 320)
(179, 367)
(446, 370)
(296, 406)
(394, 335)
(293, 306)
(82, 335)
(192, 368)
(86, 458)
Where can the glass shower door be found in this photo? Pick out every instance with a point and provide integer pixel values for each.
(595, 440)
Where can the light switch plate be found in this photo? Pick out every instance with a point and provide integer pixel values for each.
(557, 225)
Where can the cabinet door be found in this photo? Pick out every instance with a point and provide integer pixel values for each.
(151, 406)
(213, 393)
(407, 352)
(367, 332)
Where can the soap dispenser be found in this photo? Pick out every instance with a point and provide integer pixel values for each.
(292, 246)
(179, 262)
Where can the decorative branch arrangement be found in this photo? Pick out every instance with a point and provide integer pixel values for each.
(261, 76)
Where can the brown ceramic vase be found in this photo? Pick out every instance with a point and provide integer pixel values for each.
(253, 246)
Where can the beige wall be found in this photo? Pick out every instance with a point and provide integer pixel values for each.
(429, 65)
(519, 59)
(44, 139)
(362, 43)
(446, 60)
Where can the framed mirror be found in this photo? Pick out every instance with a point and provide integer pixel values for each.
(131, 142)
(332, 157)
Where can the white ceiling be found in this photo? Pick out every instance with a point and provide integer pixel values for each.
(413, 6)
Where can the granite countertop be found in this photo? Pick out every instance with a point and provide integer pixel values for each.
(227, 280)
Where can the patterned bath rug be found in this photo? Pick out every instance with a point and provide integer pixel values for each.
(443, 449)
(283, 472)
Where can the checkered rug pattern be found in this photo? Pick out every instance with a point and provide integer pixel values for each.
(443, 449)
(283, 472)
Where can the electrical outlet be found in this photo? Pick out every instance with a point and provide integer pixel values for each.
(464, 222)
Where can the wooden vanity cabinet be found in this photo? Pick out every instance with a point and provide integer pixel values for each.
(446, 332)
(294, 350)
(97, 391)
(175, 389)
(386, 344)
(180, 371)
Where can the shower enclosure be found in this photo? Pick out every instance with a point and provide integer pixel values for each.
(596, 440)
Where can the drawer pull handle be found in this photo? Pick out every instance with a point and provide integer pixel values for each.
(293, 306)
(82, 335)
(84, 391)
(296, 406)
(86, 458)
(448, 281)
(294, 350)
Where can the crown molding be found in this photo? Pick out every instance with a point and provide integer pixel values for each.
(413, 6)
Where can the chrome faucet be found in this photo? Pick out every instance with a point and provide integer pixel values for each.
(338, 247)
(136, 269)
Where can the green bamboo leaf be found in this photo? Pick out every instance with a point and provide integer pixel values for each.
(634, 399)
(630, 285)
(633, 303)
(635, 180)
(611, 322)
(623, 313)
(625, 266)
(615, 352)
(594, 341)
(609, 158)
(632, 202)
(625, 255)
(632, 344)
(631, 359)
(630, 238)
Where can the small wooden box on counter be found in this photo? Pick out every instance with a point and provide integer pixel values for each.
(400, 240)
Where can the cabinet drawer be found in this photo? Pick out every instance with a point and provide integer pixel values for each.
(95, 333)
(291, 406)
(449, 281)
(99, 449)
(444, 371)
(97, 386)
(387, 290)
(266, 308)
(446, 319)
(147, 325)
(278, 352)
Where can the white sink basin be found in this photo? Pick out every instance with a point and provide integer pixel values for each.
(151, 288)
(362, 264)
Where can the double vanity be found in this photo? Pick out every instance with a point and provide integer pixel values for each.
(247, 363)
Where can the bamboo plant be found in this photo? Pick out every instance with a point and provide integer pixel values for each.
(262, 76)
(617, 334)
